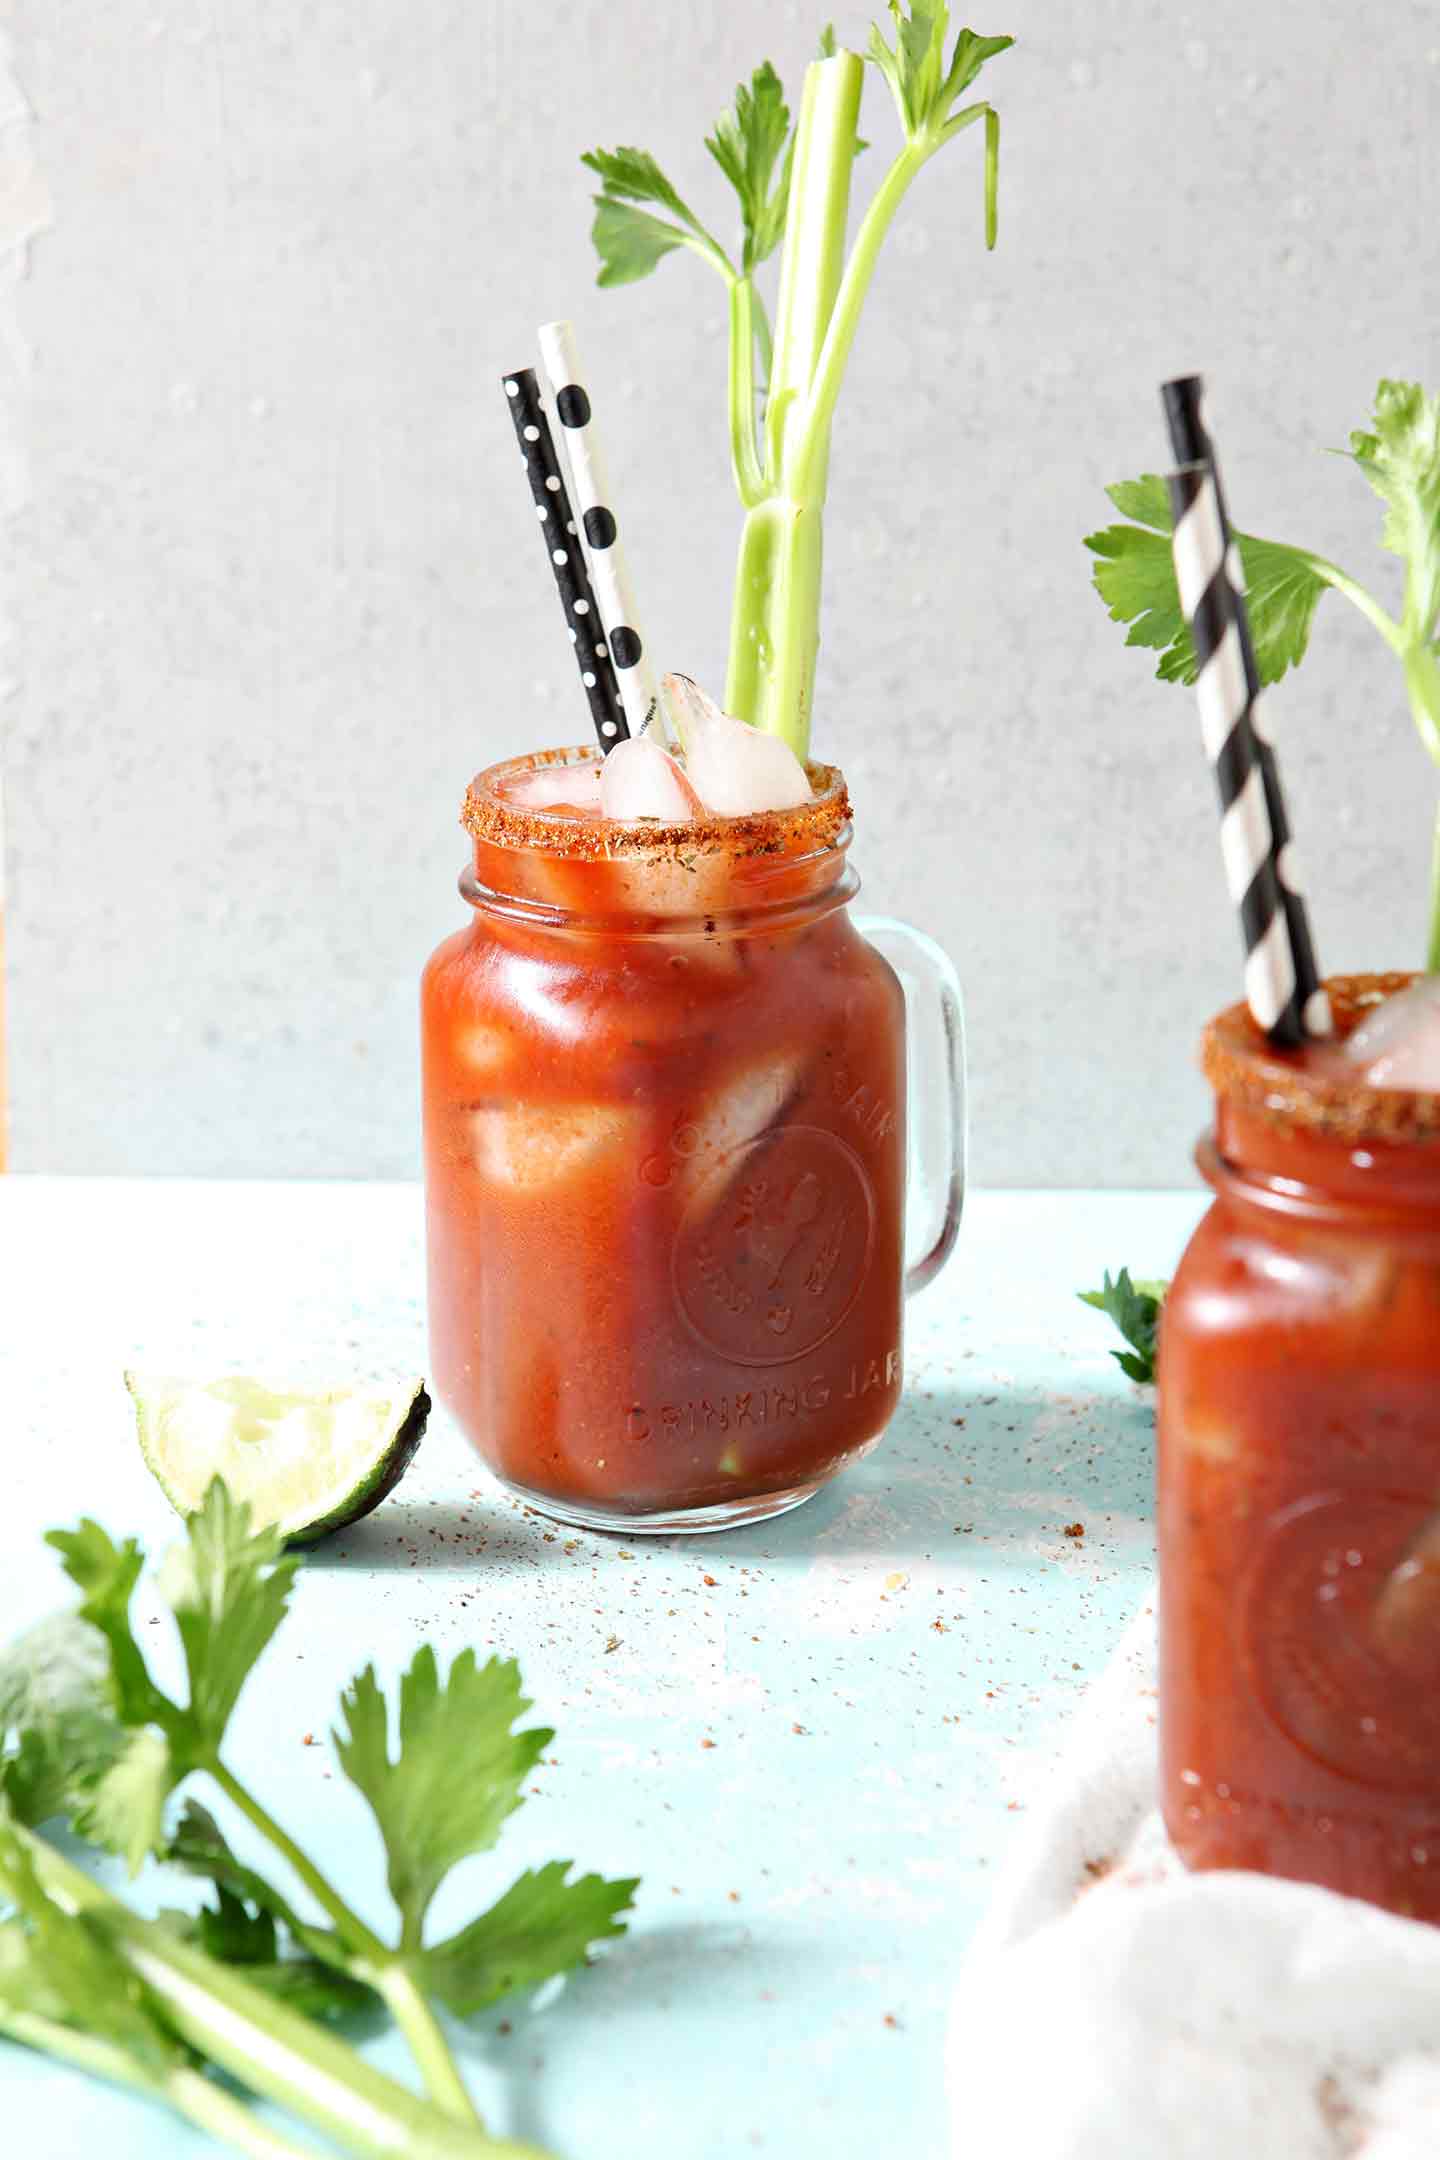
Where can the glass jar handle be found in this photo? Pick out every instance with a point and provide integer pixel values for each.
(934, 1092)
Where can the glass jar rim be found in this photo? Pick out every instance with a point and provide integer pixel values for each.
(1247, 1071)
(813, 828)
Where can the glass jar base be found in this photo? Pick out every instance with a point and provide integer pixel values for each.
(666, 1522)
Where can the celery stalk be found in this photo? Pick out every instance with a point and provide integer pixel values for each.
(266, 2046)
(775, 619)
(812, 262)
(189, 2092)
(775, 616)
(798, 189)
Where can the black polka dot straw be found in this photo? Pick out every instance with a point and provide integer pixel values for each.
(1309, 1014)
(567, 557)
(1282, 984)
(608, 568)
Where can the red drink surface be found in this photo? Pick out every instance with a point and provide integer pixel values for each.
(664, 1102)
(1299, 1487)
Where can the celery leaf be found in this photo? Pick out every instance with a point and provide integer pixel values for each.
(923, 86)
(244, 1926)
(1400, 457)
(198, 1845)
(106, 1574)
(58, 1733)
(748, 144)
(543, 1925)
(631, 241)
(1135, 577)
(970, 55)
(1135, 1308)
(228, 1587)
(125, 1812)
(458, 1772)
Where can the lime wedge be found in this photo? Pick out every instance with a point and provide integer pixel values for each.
(308, 1463)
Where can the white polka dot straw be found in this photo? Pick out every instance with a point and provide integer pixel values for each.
(609, 571)
(572, 583)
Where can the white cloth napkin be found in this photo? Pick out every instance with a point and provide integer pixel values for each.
(1115, 2007)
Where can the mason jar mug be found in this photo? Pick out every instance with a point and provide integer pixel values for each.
(665, 1097)
(1299, 1491)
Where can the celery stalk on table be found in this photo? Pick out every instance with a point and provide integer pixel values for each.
(86, 1733)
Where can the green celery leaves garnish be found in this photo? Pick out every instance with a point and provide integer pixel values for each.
(1135, 576)
(629, 240)
(923, 87)
(793, 185)
(1135, 1308)
(1400, 457)
(1399, 454)
(749, 144)
(54, 1696)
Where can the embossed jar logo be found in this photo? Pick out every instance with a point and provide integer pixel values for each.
(1340, 1618)
(772, 1250)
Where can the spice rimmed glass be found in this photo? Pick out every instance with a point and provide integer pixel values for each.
(665, 1148)
(1299, 1496)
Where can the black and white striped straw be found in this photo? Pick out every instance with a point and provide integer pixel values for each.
(595, 500)
(1282, 977)
(567, 559)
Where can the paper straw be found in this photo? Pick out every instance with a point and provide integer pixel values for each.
(1183, 399)
(1213, 609)
(567, 558)
(596, 503)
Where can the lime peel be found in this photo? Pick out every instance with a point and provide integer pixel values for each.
(308, 1462)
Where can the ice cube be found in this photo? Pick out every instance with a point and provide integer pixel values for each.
(1399, 1044)
(536, 1147)
(1405, 1622)
(575, 788)
(733, 768)
(739, 1110)
(481, 1048)
(640, 780)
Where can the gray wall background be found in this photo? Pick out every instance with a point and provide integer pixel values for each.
(273, 590)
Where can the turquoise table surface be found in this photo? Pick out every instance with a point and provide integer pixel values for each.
(813, 1739)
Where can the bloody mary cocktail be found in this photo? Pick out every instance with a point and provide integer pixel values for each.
(664, 1086)
(1299, 1504)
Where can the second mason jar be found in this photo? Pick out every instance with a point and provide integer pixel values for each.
(1299, 1505)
